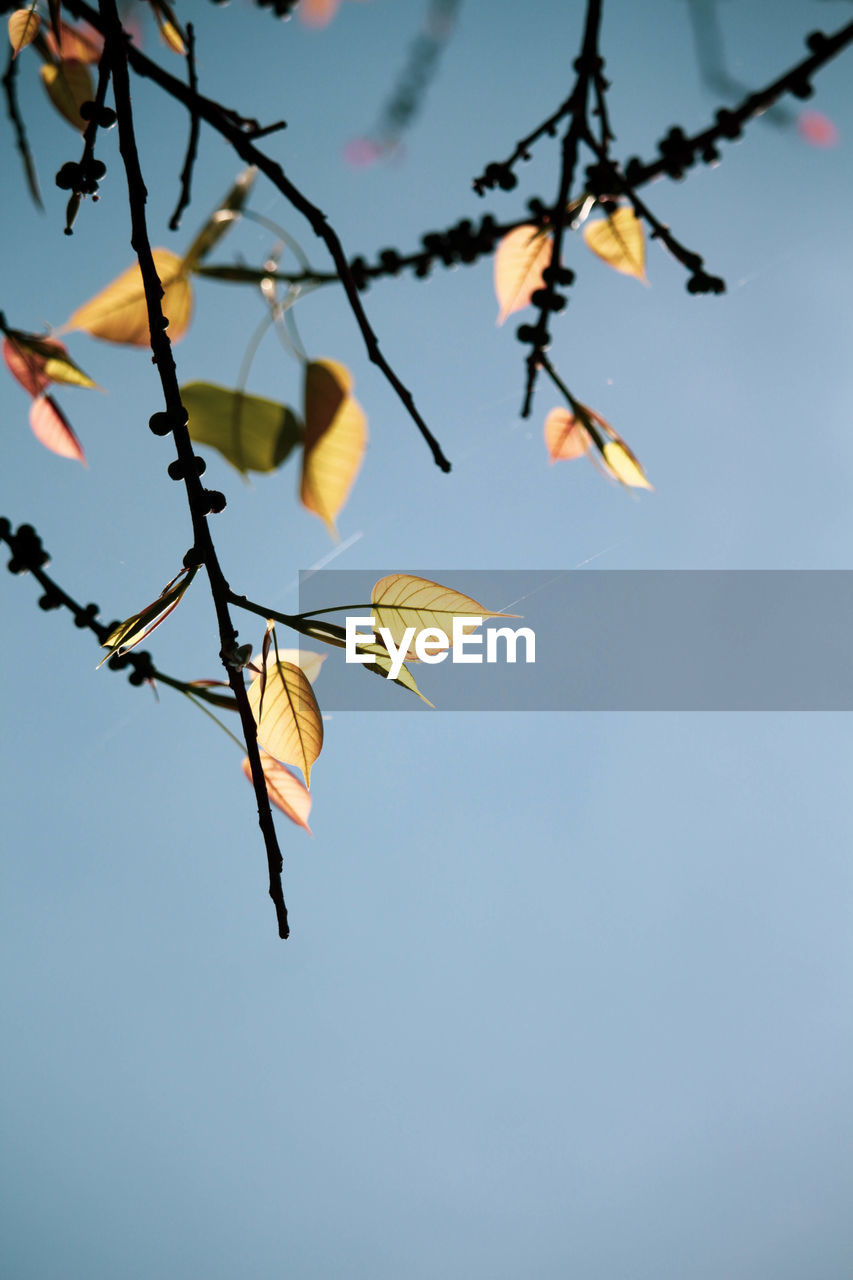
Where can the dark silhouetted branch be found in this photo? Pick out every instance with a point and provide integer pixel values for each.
(201, 501)
(17, 120)
(192, 144)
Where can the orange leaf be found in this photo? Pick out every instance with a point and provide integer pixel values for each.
(75, 42)
(520, 259)
(565, 437)
(284, 789)
(23, 28)
(52, 429)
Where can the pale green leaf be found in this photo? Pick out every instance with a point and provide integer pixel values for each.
(402, 600)
(254, 434)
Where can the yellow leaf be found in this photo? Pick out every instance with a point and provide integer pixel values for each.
(402, 600)
(69, 85)
(335, 440)
(618, 241)
(565, 437)
(520, 259)
(284, 789)
(624, 465)
(23, 28)
(291, 726)
(119, 312)
(309, 661)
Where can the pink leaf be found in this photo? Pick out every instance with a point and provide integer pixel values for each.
(52, 429)
(26, 367)
(817, 129)
(520, 259)
(284, 789)
(565, 437)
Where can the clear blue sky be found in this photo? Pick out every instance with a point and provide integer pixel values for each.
(566, 994)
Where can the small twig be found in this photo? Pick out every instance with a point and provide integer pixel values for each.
(17, 121)
(29, 556)
(85, 181)
(679, 151)
(588, 66)
(499, 172)
(192, 144)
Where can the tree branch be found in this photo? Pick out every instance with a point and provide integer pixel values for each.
(201, 501)
(233, 128)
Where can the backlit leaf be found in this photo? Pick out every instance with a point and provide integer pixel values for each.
(135, 628)
(69, 85)
(167, 23)
(221, 220)
(119, 312)
(565, 436)
(23, 28)
(291, 726)
(252, 433)
(332, 634)
(402, 600)
(618, 241)
(381, 665)
(520, 259)
(52, 429)
(309, 661)
(335, 439)
(624, 465)
(83, 44)
(36, 362)
(284, 789)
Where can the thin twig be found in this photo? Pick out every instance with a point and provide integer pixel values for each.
(588, 66)
(86, 179)
(17, 120)
(192, 144)
(198, 498)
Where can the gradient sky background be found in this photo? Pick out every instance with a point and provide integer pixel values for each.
(566, 994)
